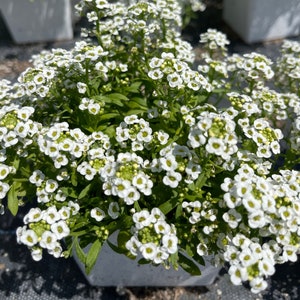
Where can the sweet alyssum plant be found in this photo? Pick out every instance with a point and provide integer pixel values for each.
(126, 133)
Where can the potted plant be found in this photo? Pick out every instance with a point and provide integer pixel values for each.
(30, 21)
(262, 20)
(121, 142)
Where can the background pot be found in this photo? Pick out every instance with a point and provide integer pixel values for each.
(262, 20)
(38, 20)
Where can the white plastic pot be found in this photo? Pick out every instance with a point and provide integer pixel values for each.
(38, 20)
(262, 20)
(112, 269)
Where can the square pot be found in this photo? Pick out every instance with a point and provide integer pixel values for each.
(262, 20)
(38, 20)
(113, 269)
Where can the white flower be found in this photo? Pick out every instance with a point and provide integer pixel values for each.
(48, 240)
(175, 80)
(258, 284)
(162, 227)
(10, 139)
(37, 254)
(157, 214)
(132, 195)
(114, 210)
(51, 186)
(25, 112)
(51, 215)
(148, 250)
(232, 217)
(155, 74)
(266, 267)
(172, 179)
(120, 187)
(133, 245)
(93, 108)
(160, 256)
(56, 251)
(81, 87)
(28, 237)
(289, 253)
(34, 215)
(64, 213)
(4, 171)
(142, 219)
(247, 258)
(216, 146)
(170, 241)
(237, 274)
(60, 229)
(98, 214)
(4, 188)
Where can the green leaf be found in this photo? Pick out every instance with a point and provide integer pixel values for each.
(137, 102)
(123, 238)
(109, 116)
(117, 249)
(143, 261)
(135, 112)
(74, 178)
(118, 96)
(169, 205)
(188, 265)
(134, 87)
(178, 211)
(85, 191)
(92, 256)
(16, 162)
(12, 198)
(69, 192)
(80, 253)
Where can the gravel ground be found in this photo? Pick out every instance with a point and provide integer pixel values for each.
(21, 278)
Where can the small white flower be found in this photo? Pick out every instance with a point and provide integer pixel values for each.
(60, 229)
(56, 251)
(258, 284)
(51, 215)
(162, 227)
(4, 171)
(93, 108)
(132, 195)
(114, 210)
(98, 214)
(237, 274)
(81, 87)
(4, 188)
(48, 240)
(133, 245)
(142, 219)
(170, 241)
(34, 215)
(28, 238)
(172, 179)
(148, 250)
(37, 254)
(51, 186)
(160, 256)
(266, 267)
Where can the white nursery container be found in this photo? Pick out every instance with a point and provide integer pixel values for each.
(113, 269)
(262, 20)
(31, 21)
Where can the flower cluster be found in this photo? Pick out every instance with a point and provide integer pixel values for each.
(153, 237)
(125, 135)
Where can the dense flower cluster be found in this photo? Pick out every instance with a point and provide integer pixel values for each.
(124, 134)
